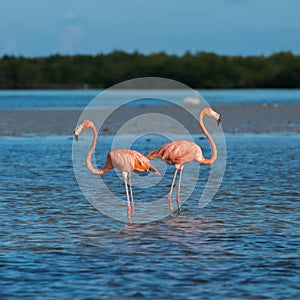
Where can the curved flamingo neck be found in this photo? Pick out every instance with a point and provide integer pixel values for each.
(92, 148)
(208, 161)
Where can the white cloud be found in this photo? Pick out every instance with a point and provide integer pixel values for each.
(71, 32)
(10, 46)
(70, 17)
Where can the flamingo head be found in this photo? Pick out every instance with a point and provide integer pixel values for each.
(77, 131)
(215, 115)
(83, 125)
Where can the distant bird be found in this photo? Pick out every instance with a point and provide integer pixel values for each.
(192, 100)
(180, 152)
(125, 160)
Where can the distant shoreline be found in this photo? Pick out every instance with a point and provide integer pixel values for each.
(204, 70)
(237, 118)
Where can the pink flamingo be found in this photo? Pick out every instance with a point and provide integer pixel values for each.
(125, 160)
(180, 152)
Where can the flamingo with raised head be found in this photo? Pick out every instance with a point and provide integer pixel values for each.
(125, 160)
(180, 152)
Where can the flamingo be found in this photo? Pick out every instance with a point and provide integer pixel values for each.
(125, 160)
(180, 152)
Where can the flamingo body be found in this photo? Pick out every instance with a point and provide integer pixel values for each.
(128, 161)
(178, 152)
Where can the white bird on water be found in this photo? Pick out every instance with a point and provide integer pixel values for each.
(193, 100)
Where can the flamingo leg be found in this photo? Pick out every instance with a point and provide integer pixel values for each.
(178, 190)
(125, 175)
(171, 190)
(131, 197)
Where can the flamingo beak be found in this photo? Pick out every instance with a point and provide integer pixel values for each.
(76, 132)
(219, 120)
(76, 136)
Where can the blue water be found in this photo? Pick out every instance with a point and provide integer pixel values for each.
(46, 99)
(244, 245)
(79, 99)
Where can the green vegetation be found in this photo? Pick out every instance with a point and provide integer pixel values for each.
(199, 70)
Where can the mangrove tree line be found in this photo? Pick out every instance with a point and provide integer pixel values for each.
(198, 70)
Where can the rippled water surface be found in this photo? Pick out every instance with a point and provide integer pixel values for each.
(245, 244)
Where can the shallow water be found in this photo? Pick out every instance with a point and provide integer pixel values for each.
(245, 244)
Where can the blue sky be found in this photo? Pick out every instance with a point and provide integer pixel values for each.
(235, 27)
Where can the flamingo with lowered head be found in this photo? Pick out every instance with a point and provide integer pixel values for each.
(125, 160)
(180, 152)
